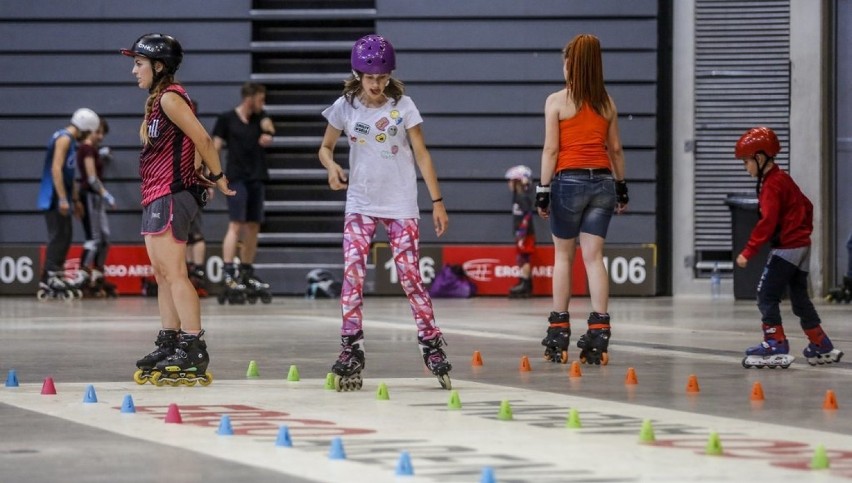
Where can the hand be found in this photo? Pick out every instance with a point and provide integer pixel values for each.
(265, 140)
(337, 178)
(63, 206)
(621, 198)
(542, 200)
(742, 261)
(109, 199)
(201, 173)
(440, 218)
(78, 209)
(222, 184)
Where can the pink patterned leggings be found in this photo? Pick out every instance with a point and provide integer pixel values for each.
(404, 237)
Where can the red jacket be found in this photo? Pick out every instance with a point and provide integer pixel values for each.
(786, 214)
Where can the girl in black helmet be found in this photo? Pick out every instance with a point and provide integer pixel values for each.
(172, 194)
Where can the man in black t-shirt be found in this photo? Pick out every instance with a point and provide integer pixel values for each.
(245, 131)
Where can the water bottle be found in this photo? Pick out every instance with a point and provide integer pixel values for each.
(715, 282)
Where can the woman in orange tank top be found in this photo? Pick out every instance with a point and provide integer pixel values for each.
(582, 173)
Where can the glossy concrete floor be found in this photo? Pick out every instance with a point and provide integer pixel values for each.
(665, 341)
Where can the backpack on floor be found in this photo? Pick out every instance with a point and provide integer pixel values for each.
(452, 282)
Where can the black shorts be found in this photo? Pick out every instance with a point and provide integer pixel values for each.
(247, 204)
(176, 211)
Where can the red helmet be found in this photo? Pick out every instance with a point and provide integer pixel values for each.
(756, 140)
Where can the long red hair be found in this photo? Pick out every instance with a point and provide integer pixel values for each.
(584, 73)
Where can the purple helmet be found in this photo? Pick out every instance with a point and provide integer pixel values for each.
(372, 54)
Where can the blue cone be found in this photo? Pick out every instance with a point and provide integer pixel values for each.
(225, 428)
(12, 379)
(336, 451)
(90, 396)
(403, 466)
(127, 405)
(487, 475)
(284, 437)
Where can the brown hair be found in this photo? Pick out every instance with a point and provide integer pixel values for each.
(156, 90)
(250, 89)
(584, 73)
(352, 86)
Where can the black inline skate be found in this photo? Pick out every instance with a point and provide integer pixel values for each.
(187, 366)
(255, 287)
(558, 337)
(166, 343)
(347, 369)
(841, 293)
(99, 287)
(522, 290)
(594, 343)
(54, 286)
(233, 291)
(436, 359)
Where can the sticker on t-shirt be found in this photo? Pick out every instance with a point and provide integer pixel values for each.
(381, 137)
(362, 128)
(382, 123)
(392, 131)
(395, 116)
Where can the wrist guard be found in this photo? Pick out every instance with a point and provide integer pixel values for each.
(621, 192)
(542, 197)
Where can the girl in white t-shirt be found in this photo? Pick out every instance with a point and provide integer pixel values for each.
(385, 141)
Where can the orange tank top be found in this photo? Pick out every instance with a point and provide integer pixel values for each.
(582, 141)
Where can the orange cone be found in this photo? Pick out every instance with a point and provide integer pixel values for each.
(757, 392)
(692, 384)
(477, 359)
(631, 377)
(830, 400)
(575, 370)
(525, 364)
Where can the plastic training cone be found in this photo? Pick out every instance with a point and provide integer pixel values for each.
(714, 445)
(336, 451)
(329, 381)
(403, 466)
(90, 396)
(477, 359)
(505, 413)
(127, 405)
(382, 392)
(225, 428)
(575, 370)
(12, 379)
(525, 364)
(283, 439)
(455, 401)
(48, 388)
(830, 401)
(293, 374)
(173, 414)
(757, 392)
(820, 459)
(487, 475)
(646, 434)
(252, 371)
(630, 379)
(692, 384)
(573, 420)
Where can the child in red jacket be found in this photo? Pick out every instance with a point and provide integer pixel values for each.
(786, 221)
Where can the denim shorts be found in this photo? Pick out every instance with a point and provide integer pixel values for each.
(581, 201)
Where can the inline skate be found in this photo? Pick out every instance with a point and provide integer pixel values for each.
(233, 292)
(198, 279)
(255, 287)
(99, 287)
(522, 290)
(436, 359)
(187, 366)
(347, 369)
(594, 343)
(558, 337)
(166, 343)
(822, 353)
(769, 353)
(54, 286)
(841, 293)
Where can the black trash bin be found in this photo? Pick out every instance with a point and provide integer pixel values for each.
(744, 216)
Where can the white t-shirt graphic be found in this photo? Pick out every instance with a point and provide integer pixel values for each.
(382, 176)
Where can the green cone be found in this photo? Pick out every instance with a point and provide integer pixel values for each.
(252, 370)
(820, 459)
(573, 420)
(382, 393)
(293, 375)
(505, 413)
(455, 402)
(646, 435)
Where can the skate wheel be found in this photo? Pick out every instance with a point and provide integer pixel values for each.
(445, 381)
(221, 299)
(69, 295)
(208, 378)
(189, 382)
(745, 365)
(41, 294)
(252, 300)
(266, 298)
(78, 294)
(564, 359)
(338, 383)
(773, 366)
(156, 379)
(140, 377)
(605, 358)
(785, 366)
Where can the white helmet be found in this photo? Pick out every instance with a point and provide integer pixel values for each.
(85, 119)
(520, 173)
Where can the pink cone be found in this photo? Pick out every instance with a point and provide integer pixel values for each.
(48, 388)
(173, 415)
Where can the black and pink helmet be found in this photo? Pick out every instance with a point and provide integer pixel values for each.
(372, 54)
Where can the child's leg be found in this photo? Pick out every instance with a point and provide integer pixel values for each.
(404, 237)
(358, 231)
(776, 276)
